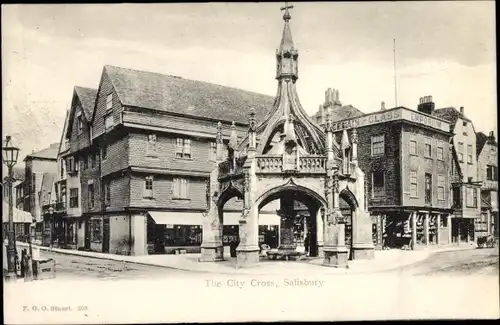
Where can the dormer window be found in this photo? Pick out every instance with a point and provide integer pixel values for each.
(109, 102)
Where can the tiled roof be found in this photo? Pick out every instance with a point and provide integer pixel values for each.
(450, 114)
(47, 153)
(187, 97)
(47, 183)
(481, 140)
(87, 98)
(340, 113)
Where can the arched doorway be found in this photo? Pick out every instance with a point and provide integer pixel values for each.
(348, 206)
(298, 212)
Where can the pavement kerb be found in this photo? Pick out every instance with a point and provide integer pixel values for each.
(342, 271)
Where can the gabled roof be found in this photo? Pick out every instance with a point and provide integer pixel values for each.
(47, 153)
(177, 95)
(87, 98)
(450, 114)
(481, 140)
(340, 113)
(46, 189)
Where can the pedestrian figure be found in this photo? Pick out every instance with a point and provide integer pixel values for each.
(23, 261)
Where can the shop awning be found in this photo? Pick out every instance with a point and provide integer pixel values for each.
(196, 218)
(176, 218)
(19, 215)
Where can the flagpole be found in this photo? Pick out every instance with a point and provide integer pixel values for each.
(395, 80)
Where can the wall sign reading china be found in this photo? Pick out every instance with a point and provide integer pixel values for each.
(392, 115)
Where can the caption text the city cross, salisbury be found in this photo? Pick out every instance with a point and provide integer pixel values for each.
(255, 283)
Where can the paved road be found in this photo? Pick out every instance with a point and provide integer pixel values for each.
(78, 267)
(456, 263)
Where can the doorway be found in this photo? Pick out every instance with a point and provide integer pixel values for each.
(105, 235)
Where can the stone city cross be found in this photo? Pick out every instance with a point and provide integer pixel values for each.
(285, 156)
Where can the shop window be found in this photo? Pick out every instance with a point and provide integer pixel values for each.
(378, 182)
(71, 233)
(96, 230)
(183, 235)
(378, 144)
(230, 234)
(183, 148)
(73, 198)
(443, 222)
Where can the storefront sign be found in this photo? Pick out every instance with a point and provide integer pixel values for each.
(392, 115)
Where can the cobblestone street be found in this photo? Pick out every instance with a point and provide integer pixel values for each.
(79, 267)
(455, 263)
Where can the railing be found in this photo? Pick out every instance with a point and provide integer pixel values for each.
(311, 164)
(59, 207)
(270, 164)
(307, 164)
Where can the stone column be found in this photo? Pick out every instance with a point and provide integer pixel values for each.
(426, 229)
(247, 252)
(414, 230)
(211, 248)
(319, 232)
(438, 229)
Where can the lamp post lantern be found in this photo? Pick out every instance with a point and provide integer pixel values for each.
(10, 154)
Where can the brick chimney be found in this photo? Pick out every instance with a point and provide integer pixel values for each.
(332, 97)
(462, 110)
(382, 106)
(426, 105)
(492, 135)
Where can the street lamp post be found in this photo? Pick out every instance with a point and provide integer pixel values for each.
(51, 223)
(10, 153)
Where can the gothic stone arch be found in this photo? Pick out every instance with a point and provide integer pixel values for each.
(287, 152)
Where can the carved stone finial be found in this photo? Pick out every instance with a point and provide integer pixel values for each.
(219, 138)
(233, 141)
(344, 143)
(354, 136)
(329, 123)
(252, 121)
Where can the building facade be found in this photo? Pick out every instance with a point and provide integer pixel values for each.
(133, 166)
(466, 186)
(405, 155)
(487, 171)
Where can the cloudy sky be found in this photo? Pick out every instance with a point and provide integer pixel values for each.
(444, 49)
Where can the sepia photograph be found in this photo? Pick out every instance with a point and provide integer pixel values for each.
(249, 162)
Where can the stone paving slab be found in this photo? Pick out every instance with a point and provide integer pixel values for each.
(384, 260)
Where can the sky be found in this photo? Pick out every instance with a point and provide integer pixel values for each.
(443, 49)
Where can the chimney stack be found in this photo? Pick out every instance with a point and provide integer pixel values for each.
(382, 106)
(492, 135)
(426, 105)
(461, 110)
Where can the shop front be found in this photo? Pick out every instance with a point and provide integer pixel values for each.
(178, 232)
